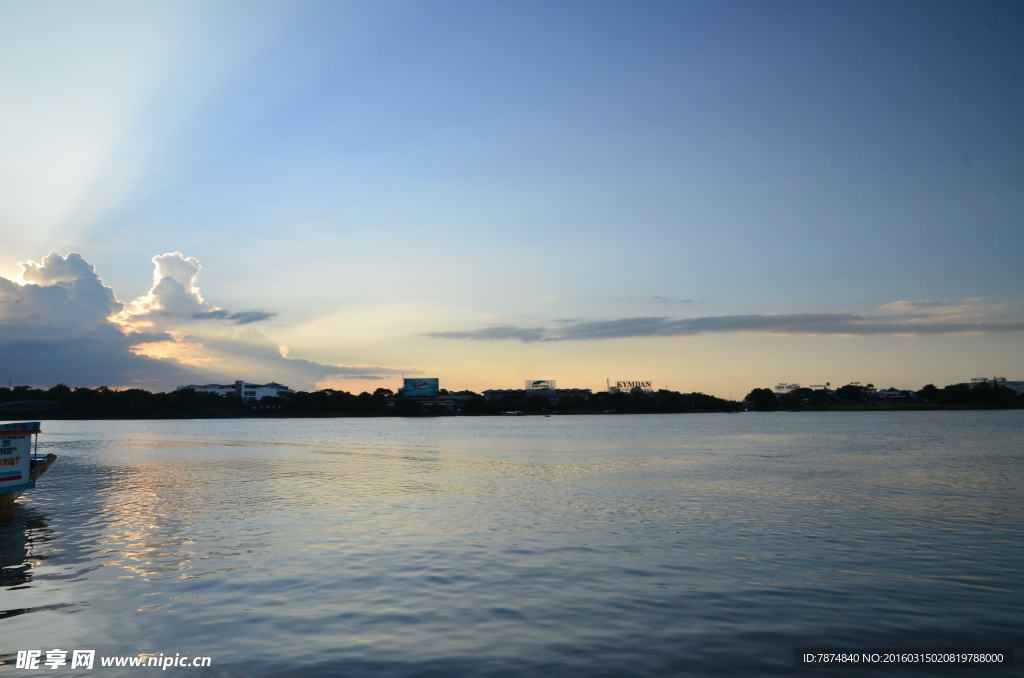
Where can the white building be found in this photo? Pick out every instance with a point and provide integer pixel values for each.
(1017, 386)
(890, 394)
(242, 389)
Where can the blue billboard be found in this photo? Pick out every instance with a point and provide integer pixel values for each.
(421, 387)
(540, 385)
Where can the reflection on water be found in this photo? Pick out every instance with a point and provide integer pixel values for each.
(21, 531)
(619, 546)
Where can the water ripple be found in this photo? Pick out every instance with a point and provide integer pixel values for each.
(598, 546)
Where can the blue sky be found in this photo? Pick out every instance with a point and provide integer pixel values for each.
(418, 186)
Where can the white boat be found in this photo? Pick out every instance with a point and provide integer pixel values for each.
(20, 463)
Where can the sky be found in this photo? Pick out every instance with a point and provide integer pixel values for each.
(713, 196)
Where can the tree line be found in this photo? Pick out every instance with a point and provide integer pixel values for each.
(983, 395)
(661, 401)
(132, 403)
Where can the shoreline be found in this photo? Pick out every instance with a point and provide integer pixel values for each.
(354, 415)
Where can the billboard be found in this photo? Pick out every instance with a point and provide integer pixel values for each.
(540, 385)
(421, 387)
(631, 386)
(15, 455)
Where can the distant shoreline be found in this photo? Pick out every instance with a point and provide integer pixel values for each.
(355, 415)
(83, 404)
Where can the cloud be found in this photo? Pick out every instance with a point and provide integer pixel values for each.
(243, 318)
(57, 269)
(54, 327)
(175, 298)
(968, 316)
(251, 352)
(60, 324)
(496, 333)
(794, 323)
(909, 305)
(208, 337)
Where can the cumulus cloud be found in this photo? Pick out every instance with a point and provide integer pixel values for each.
(967, 316)
(174, 297)
(209, 338)
(57, 269)
(55, 327)
(60, 324)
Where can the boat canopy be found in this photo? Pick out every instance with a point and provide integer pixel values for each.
(21, 427)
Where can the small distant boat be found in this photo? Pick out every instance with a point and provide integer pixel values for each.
(513, 413)
(20, 463)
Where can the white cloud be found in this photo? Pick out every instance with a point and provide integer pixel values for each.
(174, 300)
(60, 324)
(55, 327)
(57, 269)
(173, 297)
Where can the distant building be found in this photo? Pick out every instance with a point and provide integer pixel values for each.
(553, 395)
(868, 391)
(242, 389)
(1016, 386)
(427, 392)
(783, 390)
(891, 395)
(448, 403)
(631, 387)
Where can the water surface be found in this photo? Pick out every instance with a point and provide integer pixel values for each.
(646, 545)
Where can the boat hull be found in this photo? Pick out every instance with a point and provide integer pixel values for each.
(7, 498)
(38, 469)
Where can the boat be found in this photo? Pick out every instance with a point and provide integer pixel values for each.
(513, 413)
(20, 462)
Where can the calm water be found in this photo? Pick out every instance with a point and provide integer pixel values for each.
(654, 545)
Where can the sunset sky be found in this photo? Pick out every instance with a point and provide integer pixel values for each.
(712, 196)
